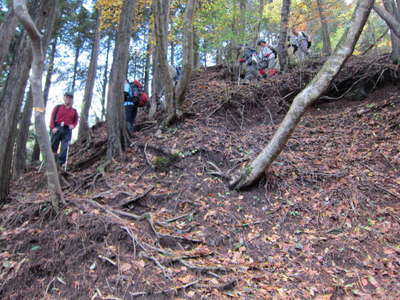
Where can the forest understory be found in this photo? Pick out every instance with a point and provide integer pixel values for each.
(160, 223)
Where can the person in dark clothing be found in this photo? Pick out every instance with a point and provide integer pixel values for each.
(63, 119)
(132, 93)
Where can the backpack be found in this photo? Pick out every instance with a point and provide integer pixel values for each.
(143, 99)
(134, 92)
(248, 54)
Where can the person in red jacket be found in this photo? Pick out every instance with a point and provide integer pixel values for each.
(63, 119)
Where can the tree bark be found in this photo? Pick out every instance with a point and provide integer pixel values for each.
(116, 129)
(7, 31)
(83, 129)
(37, 94)
(283, 56)
(251, 173)
(326, 41)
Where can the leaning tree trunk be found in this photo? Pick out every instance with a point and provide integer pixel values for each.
(7, 30)
(251, 173)
(390, 20)
(283, 56)
(47, 84)
(326, 41)
(36, 84)
(20, 154)
(83, 129)
(116, 129)
(11, 97)
(390, 6)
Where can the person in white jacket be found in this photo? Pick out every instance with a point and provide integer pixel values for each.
(301, 44)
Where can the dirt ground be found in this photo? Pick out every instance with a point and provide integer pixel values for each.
(160, 223)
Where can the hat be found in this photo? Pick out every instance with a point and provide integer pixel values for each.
(69, 94)
(260, 42)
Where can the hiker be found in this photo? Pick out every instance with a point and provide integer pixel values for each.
(134, 97)
(63, 119)
(249, 63)
(266, 59)
(301, 44)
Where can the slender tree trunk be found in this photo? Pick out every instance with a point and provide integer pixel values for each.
(11, 97)
(22, 137)
(147, 65)
(311, 92)
(172, 57)
(75, 69)
(7, 31)
(83, 130)
(260, 21)
(105, 81)
(36, 84)
(47, 84)
(326, 41)
(283, 56)
(196, 49)
(116, 129)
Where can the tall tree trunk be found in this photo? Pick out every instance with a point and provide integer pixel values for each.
(11, 97)
(105, 80)
(36, 84)
(83, 130)
(7, 31)
(47, 84)
(161, 17)
(283, 56)
(174, 96)
(172, 57)
(311, 92)
(116, 128)
(156, 83)
(187, 53)
(326, 41)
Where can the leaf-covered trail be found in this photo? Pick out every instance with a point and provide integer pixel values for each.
(325, 224)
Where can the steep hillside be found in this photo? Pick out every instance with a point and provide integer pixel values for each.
(160, 223)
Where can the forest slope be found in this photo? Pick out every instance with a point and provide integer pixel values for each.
(161, 222)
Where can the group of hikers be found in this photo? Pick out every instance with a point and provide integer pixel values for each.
(261, 64)
(264, 63)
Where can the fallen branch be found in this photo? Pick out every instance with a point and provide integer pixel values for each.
(173, 290)
(126, 203)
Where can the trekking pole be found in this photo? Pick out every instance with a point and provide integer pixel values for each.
(41, 166)
(66, 159)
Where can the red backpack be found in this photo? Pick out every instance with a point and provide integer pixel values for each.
(143, 99)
